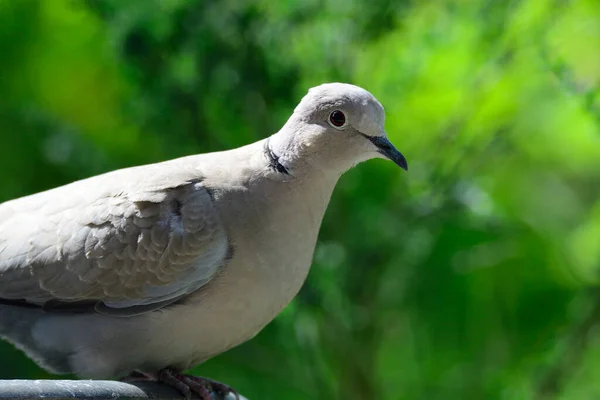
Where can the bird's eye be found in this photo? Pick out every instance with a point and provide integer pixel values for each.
(337, 119)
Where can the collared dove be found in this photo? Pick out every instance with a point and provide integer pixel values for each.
(148, 271)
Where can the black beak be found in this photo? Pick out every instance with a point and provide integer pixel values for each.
(387, 149)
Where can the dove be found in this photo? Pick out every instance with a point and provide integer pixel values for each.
(146, 272)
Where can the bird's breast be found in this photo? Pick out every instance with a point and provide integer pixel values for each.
(272, 249)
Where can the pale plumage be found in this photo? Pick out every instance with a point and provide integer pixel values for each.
(163, 266)
(120, 240)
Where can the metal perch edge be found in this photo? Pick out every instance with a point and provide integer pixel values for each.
(90, 390)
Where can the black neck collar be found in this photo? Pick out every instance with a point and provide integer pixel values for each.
(274, 160)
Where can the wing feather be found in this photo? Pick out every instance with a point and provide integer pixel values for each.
(127, 250)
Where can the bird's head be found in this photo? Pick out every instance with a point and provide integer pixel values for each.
(334, 127)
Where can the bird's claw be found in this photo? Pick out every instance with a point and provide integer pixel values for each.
(190, 384)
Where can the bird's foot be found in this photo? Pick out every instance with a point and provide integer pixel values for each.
(186, 384)
(190, 384)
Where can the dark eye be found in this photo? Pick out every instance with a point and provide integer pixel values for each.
(337, 118)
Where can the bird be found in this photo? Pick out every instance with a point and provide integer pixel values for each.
(145, 272)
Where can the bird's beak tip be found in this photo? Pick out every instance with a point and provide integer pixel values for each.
(404, 166)
(386, 148)
(399, 160)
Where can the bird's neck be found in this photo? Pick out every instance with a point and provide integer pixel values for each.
(302, 152)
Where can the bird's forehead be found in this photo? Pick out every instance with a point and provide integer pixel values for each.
(342, 95)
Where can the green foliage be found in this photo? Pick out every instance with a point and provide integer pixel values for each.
(472, 276)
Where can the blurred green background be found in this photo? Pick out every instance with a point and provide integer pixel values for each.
(474, 276)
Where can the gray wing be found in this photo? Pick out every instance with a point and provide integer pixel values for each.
(130, 248)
